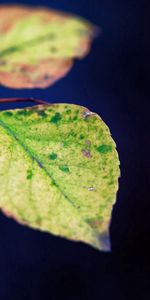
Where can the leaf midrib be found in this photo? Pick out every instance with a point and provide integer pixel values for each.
(19, 47)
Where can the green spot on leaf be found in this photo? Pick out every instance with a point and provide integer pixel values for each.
(64, 169)
(75, 118)
(24, 112)
(104, 148)
(42, 113)
(81, 136)
(56, 118)
(53, 156)
(29, 174)
(68, 111)
(65, 143)
(8, 113)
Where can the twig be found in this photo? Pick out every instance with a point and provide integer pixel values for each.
(7, 100)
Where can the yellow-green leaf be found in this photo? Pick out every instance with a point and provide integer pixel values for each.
(38, 45)
(59, 171)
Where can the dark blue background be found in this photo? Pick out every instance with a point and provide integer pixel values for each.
(113, 81)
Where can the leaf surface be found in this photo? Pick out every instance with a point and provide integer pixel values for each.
(37, 45)
(59, 171)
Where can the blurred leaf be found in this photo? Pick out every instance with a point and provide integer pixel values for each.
(37, 45)
(59, 171)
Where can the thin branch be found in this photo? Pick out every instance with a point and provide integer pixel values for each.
(8, 100)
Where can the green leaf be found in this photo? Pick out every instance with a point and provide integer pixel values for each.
(59, 171)
(38, 45)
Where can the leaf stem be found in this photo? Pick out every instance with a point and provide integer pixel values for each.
(7, 100)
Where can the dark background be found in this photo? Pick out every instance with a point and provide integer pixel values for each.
(113, 81)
